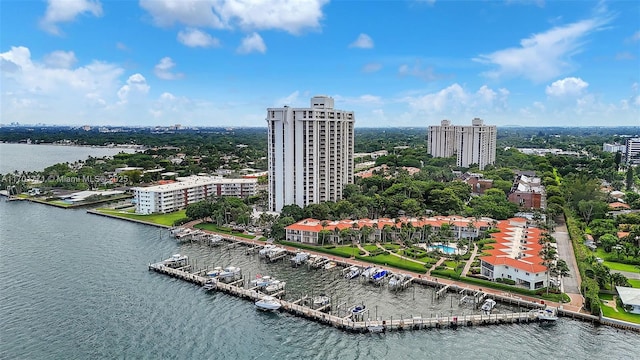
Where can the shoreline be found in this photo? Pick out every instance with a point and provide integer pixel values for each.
(96, 212)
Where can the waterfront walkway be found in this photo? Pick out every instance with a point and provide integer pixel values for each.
(467, 266)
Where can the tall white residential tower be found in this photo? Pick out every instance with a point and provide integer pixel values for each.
(475, 144)
(310, 153)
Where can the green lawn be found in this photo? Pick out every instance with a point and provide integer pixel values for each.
(620, 314)
(160, 219)
(622, 267)
(634, 283)
(604, 296)
(370, 248)
(223, 230)
(395, 261)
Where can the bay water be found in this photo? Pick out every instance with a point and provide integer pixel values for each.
(76, 286)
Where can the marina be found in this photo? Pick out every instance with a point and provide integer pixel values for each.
(269, 293)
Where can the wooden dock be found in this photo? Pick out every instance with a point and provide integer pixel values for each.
(348, 323)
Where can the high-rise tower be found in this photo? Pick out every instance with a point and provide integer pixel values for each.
(310, 153)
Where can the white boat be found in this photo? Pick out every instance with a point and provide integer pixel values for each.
(265, 250)
(330, 265)
(215, 240)
(275, 253)
(375, 328)
(547, 314)
(261, 281)
(275, 285)
(268, 303)
(299, 258)
(488, 305)
(398, 280)
(176, 261)
(320, 301)
(312, 259)
(230, 273)
(210, 284)
(354, 271)
(369, 271)
(215, 272)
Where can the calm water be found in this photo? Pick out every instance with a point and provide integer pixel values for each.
(23, 157)
(76, 286)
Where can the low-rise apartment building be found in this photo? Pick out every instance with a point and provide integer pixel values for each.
(515, 255)
(188, 190)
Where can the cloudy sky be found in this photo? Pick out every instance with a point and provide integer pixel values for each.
(395, 63)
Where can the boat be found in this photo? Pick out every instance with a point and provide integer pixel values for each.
(275, 285)
(210, 284)
(261, 281)
(299, 259)
(320, 301)
(265, 250)
(330, 265)
(268, 303)
(176, 261)
(215, 240)
(354, 271)
(358, 309)
(312, 259)
(275, 253)
(319, 262)
(396, 281)
(379, 275)
(215, 272)
(230, 273)
(376, 328)
(547, 314)
(488, 305)
(369, 271)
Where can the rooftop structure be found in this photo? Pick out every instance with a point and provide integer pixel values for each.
(515, 255)
(630, 298)
(527, 192)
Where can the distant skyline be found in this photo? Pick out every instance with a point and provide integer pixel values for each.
(394, 63)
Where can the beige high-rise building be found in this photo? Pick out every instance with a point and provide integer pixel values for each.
(475, 144)
(310, 153)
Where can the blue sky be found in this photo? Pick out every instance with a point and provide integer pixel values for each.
(395, 63)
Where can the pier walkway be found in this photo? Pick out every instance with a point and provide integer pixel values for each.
(349, 323)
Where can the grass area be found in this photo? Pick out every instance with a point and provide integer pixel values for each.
(621, 314)
(370, 247)
(605, 296)
(622, 267)
(222, 230)
(59, 203)
(348, 251)
(392, 247)
(390, 260)
(160, 219)
(634, 283)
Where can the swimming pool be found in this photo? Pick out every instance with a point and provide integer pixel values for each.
(445, 249)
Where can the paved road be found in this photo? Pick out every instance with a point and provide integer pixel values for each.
(565, 252)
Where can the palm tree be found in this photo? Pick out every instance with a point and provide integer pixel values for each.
(365, 232)
(386, 231)
(323, 232)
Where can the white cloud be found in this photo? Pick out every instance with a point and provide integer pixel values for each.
(635, 36)
(163, 69)
(567, 87)
(136, 85)
(426, 73)
(625, 55)
(55, 74)
(545, 55)
(456, 100)
(292, 99)
(252, 43)
(121, 46)
(66, 10)
(363, 41)
(293, 16)
(60, 59)
(196, 38)
(372, 67)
